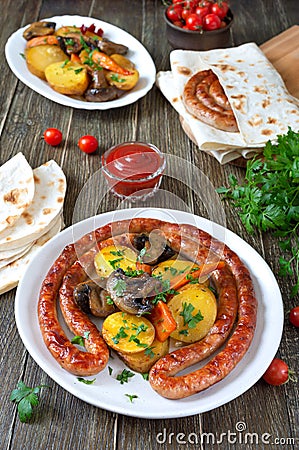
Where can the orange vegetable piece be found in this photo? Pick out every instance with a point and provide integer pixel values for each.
(106, 62)
(42, 40)
(179, 281)
(144, 267)
(163, 321)
(75, 58)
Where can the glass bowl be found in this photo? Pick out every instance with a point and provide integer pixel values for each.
(133, 169)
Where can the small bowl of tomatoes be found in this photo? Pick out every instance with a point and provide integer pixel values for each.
(198, 24)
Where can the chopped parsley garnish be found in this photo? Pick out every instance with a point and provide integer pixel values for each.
(115, 77)
(190, 320)
(149, 352)
(78, 70)
(114, 263)
(145, 376)
(80, 340)
(133, 273)
(110, 370)
(119, 288)
(109, 300)
(120, 335)
(70, 41)
(124, 376)
(131, 397)
(83, 380)
(117, 253)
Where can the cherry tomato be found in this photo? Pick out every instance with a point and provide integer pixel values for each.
(174, 12)
(88, 144)
(277, 373)
(294, 316)
(186, 12)
(53, 136)
(211, 22)
(202, 11)
(194, 22)
(205, 3)
(220, 9)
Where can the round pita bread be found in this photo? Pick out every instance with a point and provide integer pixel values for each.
(16, 188)
(12, 273)
(40, 216)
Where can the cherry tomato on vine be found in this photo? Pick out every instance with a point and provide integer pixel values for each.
(52, 136)
(174, 12)
(88, 144)
(193, 22)
(220, 9)
(277, 373)
(211, 22)
(294, 316)
(202, 11)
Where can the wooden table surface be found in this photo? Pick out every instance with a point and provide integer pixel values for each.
(61, 420)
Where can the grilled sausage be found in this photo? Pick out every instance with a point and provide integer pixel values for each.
(198, 246)
(204, 98)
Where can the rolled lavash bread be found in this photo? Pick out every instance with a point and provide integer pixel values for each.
(42, 213)
(11, 274)
(17, 189)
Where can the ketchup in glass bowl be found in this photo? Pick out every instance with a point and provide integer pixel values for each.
(133, 169)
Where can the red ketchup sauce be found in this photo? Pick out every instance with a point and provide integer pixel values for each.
(133, 166)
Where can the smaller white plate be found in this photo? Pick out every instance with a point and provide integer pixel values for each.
(107, 392)
(15, 47)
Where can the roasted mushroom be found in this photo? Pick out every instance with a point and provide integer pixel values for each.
(133, 294)
(99, 90)
(92, 299)
(157, 249)
(41, 28)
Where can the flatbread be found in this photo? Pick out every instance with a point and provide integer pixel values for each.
(40, 216)
(261, 103)
(16, 189)
(11, 274)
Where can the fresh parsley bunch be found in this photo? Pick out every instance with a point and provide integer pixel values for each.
(268, 200)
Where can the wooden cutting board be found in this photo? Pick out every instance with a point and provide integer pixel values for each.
(283, 52)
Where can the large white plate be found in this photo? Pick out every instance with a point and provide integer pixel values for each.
(107, 392)
(15, 47)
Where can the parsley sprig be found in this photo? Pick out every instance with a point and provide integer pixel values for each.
(26, 399)
(268, 199)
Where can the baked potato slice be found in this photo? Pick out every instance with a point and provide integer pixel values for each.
(128, 333)
(123, 82)
(41, 56)
(194, 309)
(68, 78)
(143, 361)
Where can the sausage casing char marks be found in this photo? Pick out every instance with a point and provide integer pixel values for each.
(233, 284)
(204, 98)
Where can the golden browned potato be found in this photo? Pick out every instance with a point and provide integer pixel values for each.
(128, 333)
(123, 82)
(67, 30)
(70, 78)
(194, 309)
(113, 257)
(41, 56)
(143, 361)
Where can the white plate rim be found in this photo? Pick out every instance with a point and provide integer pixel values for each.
(15, 46)
(150, 405)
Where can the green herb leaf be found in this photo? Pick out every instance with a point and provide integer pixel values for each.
(190, 320)
(124, 376)
(83, 380)
(26, 398)
(119, 287)
(131, 397)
